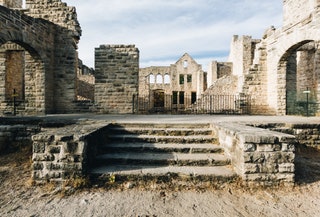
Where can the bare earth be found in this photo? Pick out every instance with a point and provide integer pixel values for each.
(20, 198)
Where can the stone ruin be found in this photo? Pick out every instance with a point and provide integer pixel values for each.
(40, 72)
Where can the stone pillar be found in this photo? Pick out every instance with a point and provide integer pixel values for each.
(117, 75)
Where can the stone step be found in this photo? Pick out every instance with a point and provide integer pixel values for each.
(217, 172)
(150, 158)
(161, 131)
(162, 139)
(163, 126)
(161, 147)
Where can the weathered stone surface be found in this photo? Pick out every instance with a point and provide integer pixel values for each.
(261, 155)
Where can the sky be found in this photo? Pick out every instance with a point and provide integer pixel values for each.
(164, 30)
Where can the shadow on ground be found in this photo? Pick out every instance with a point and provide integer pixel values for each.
(307, 165)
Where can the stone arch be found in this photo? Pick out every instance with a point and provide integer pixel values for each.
(167, 79)
(297, 72)
(27, 72)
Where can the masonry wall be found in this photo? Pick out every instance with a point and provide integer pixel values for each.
(65, 57)
(258, 155)
(295, 11)
(11, 3)
(117, 77)
(218, 70)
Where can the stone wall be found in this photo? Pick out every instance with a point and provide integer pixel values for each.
(218, 70)
(63, 153)
(258, 155)
(57, 12)
(295, 11)
(11, 3)
(12, 136)
(85, 83)
(117, 74)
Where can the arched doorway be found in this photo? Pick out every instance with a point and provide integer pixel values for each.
(298, 72)
(22, 80)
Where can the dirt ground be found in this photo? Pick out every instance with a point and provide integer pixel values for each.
(19, 197)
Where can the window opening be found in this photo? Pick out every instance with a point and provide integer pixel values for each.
(181, 79)
(159, 79)
(185, 64)
(189, 78)
(181, 97)
(167, 79)
(151, 79)
(193, 97)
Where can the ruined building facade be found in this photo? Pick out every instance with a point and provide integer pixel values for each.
(280, 71)
(174, 87)
(40, 72)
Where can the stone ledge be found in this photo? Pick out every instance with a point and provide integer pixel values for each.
(258, 154)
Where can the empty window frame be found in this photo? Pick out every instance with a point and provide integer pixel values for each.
(167, 79)
(189, 78)
(174, 97)
(181, 97)
(152, 79)
(193, 97)
(181, 79)
(159, 79)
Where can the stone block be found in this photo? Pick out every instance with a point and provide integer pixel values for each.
(39, 147)
(43, 157)
(268, 147)
(249, 147)
(286, 168)
(251, 168)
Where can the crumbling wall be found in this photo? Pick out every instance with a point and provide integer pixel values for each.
(65, 57)
(117, 74)
(57, 12)
(85, 83)
(218, 70)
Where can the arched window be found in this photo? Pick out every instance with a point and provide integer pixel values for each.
(159, 79)
(185, 64)
(167, 79)
(151, 79)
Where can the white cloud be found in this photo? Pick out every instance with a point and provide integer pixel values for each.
(164, 30)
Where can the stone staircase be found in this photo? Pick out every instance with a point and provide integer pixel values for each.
(155, 150)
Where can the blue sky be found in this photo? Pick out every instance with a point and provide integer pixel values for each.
(164, 30)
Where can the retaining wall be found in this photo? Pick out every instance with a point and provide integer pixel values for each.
(258, 155)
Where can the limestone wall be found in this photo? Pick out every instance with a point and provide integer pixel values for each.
(242, 52)
(11, 3)
(117, 74)
(13, 136)
(258, 155)
(218, 70)
(63, 153)
(294, 11)
(57, 12)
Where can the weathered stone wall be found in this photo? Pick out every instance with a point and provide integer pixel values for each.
(242, 53)
(57, 12)
(117, 75)
(294, 11)
(16, 135)
(218, 70)
(85, 83)
(51, 52)
(306, 134)
(258, 155)
(63, 153)
(11, 3)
